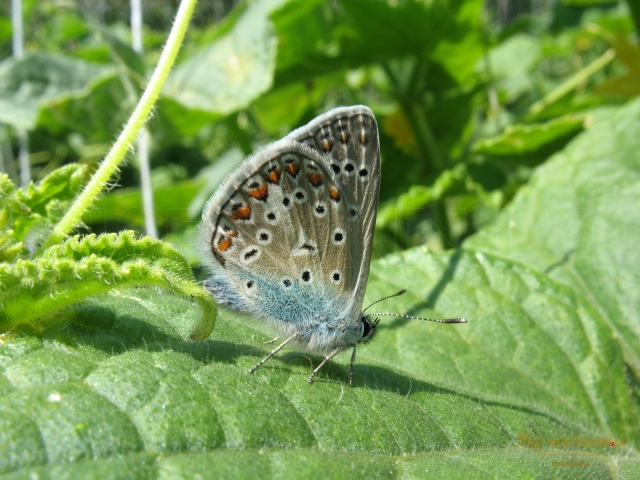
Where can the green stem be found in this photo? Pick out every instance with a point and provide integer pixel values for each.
(572, 83)
(125, 140)
(418, 118)
(416, 86)
(492, 93)
(412, 108)
(441, 221)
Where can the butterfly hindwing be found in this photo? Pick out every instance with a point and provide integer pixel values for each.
(278, 237)
(347, 140)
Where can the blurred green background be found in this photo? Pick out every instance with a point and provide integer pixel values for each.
(470, 97)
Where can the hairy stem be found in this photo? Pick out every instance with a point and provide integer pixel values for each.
(126, 138)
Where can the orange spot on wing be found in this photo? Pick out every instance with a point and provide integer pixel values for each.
(224, 244)
(316, 179)
(274, 175)
(241, 213)
(233, 233)
(327, 144)
(334, 194)
(259, 193)
(292, 168)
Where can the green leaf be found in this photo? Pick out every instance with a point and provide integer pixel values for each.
(417, 197)
(233, 70)
(175, 121)
(93, 116)
(319, 37)
(122, 53)
(28, 84)
(171, 205)
(10, 247)
(511, 352)
(37, 206)
(628, 84)
(81, 266)
(123, 387)
(510, 63)
(577, 220)
(526, 139)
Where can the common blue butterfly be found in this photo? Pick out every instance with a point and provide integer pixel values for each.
(288, 234)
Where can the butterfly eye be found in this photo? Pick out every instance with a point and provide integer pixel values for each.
(368, 330)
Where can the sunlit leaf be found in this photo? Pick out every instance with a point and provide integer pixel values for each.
(233, 70)
(29, 84)
(528, 138)
(577, 221)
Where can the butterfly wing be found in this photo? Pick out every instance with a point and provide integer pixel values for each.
(347, 140)
(276, 236)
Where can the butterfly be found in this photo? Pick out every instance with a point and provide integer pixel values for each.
(288, 235)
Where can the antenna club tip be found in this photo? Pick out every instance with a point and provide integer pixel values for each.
(462, 320)
(402, 292)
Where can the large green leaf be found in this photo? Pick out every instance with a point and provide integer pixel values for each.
(510, 63)
(233, 70)
(578, 221)
(317, 37)
(121, 386)
(28, 84)
(527, 139)
(124, 207)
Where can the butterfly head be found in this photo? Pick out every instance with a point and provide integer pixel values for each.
(369, 328)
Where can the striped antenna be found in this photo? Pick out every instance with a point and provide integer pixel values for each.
(401, 292)
(439, 320)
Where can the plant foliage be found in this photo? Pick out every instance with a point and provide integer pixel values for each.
(509, 197)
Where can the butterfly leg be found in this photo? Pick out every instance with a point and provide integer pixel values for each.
(273, 352)
(271, 341)
(329, 357)
(353, 360)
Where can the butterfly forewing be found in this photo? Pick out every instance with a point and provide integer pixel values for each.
(347, 140)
